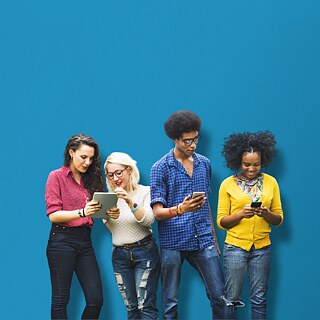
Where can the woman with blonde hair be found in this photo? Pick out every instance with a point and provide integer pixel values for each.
(135, 256)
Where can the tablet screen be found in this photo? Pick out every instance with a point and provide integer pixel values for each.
(107, 200)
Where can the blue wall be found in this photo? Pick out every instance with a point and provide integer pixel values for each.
(116, 70)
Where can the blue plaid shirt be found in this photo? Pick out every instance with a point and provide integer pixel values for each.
(170, 184)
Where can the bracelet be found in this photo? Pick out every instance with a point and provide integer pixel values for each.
(135, 207)
(179, 211)
(83, 214)
(171, 213)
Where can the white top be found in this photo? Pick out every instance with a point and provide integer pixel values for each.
(127, 229)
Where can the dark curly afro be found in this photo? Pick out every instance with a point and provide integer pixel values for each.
(181, 122)
(237, 144)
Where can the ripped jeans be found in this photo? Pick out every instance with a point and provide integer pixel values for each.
(137, 271)
(207, 263)
(256, 262)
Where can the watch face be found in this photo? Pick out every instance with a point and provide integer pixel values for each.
(135, 205)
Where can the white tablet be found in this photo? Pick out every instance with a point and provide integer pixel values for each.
(107, 200)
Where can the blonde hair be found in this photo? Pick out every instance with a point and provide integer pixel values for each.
(125, 160)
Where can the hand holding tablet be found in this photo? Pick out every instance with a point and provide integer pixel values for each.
(107, 201)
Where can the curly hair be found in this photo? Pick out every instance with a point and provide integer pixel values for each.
(181, 122)
(237, 144)
(92, 179)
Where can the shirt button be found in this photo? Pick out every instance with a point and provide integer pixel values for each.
(196, 236)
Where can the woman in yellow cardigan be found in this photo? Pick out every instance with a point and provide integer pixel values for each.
(247, 244)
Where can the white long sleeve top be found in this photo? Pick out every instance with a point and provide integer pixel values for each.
(127, 229)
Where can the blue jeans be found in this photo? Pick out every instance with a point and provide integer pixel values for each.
(137, 271)
(207, 263)
(70, 250)
(237, 262)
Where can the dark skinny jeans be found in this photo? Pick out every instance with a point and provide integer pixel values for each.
(70, 250)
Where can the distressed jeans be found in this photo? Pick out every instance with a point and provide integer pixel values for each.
(70, 251)
(137, 271)
(207, 263)
(237, 262)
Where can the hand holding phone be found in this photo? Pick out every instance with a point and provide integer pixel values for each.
(195, 202)
(256, 204)
(197, 194)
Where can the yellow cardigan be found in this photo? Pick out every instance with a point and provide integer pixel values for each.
(253, 231)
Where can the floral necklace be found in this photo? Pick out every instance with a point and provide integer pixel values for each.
(253, 188)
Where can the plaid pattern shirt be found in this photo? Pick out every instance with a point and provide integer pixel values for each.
(169, 185)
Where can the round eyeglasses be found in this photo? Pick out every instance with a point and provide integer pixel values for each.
(117, 173)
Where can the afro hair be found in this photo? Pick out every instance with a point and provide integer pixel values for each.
(237, 144)
(181, 122)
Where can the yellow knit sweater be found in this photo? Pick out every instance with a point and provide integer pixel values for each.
(253, 231)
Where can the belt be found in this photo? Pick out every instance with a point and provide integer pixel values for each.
(59, 226)
(139, 243)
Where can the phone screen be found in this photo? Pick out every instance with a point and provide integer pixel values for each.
(256, 204)
(197, 194)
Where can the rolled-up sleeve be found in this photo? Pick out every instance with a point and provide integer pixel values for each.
(53, 194)
(157, 186)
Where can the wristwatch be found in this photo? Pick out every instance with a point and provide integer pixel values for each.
(135, 207)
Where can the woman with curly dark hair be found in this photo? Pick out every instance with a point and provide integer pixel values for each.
(69, 206)
(249, 202)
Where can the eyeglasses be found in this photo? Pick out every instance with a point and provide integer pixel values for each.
(117, 173)
(188, 142)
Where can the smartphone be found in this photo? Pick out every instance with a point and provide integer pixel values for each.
(197, 194)
(256, 204)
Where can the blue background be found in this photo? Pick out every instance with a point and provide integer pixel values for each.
(116, 70)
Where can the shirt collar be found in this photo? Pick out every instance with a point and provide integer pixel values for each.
(172, 161)
(66, 171)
